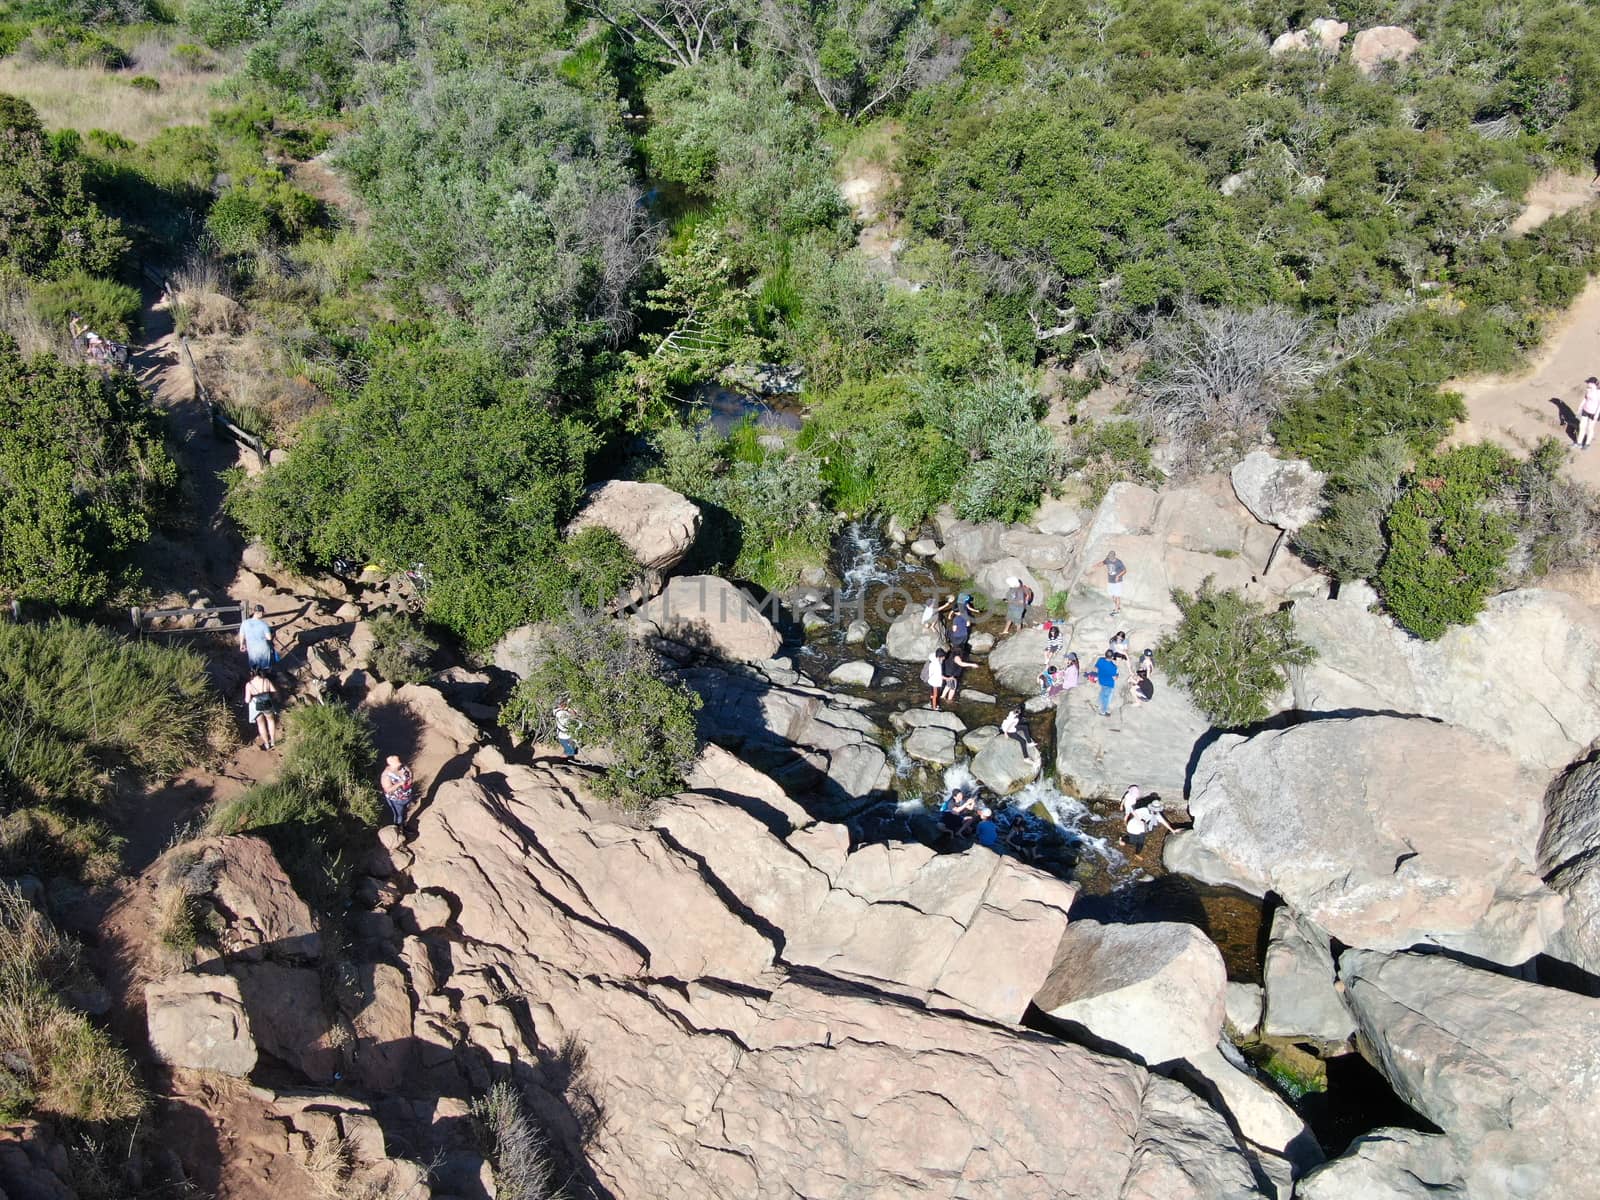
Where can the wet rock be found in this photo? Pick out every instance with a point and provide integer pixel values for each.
(1243, 1003)
(708, 612)
(924, 547)
(1505, 1068)
(658, 524)
(1365, 663)
(908, 641)
(1155, 989)
(974, 696)
(1569, 857)
(927, 718)
(896, 531)
(936, 746)
(856, 632)
(980, 643)
(980, 737)
(1002, 766)
(854, 674)
(1382, 44)
(1383, 831)
(1389, 1164)
(199, 1022)
(1282, 492)
(1301, 999)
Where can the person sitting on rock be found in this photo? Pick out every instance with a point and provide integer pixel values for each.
(1119, 646)
(985, 832)
(1069, 676)
(1052, 641)
(958, 806)
(1147, 662)
(1050, 682)
(1142, 690)
(1015, 727)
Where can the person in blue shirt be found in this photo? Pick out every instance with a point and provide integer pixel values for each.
(987, 832)
(255, 639)
(1105, 671)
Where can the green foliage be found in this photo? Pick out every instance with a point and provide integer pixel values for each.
(507, 200)
(316, 50)
(85, 469)
(1348, 538)
(53, 1062)
(1112, 451)
(440, 458)
(223, 23)
(1447, 546)
(76, 702)
(259, 209)
(1554, 518)
(618, 689)
(1229, 655)
(109, 308)
(48, 225)
(145, 83)
(401, 649)
(993, 421)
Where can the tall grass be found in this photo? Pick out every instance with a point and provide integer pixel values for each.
(52, 1060)
(517, 1149)
(85, 98)
(77, 705)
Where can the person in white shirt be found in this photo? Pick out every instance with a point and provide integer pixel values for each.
(566, 724)
(1588, 410)
(1141, 822)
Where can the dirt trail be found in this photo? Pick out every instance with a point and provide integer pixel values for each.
(1540, 402)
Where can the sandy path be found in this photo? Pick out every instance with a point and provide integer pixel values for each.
(1540, 402)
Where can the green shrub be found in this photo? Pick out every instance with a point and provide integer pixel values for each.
(992, 421)
(1447, 545)
(145, 83)
(1348, 538)
(400, 650)
(83, 458)
(619, 691)
(259, 209)
(1107, 452)
(53, 1062)
(228, 22)
(111, 309)
(192, 57)
(1229, 655)
(1554, 518)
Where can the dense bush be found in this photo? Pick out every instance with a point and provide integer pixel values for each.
(1447, 545)
(85, 468)
(1555, 520)
(109, 308)
(401, 649)
(316, 50)
(1229, 655)
(229, 22)
(1010, 458)
(48, 224)
(259, 209)
(619, 691)
(1348, 539)
(53, 1062)
(77, 702)
(1106, 452)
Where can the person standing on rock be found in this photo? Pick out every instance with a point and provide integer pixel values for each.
(960, 629)
(933, 674)
(1141, 822)
(1105, 673)
(566, 725)
(1015, 727)
(1588, 411)
(1018, 596)
(954, 667)
(1052, 641)
(261, 703)
(398, 788)
(255, 639)
(1116, 572)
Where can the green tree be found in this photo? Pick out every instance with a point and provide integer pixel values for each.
(48, 224)
(993, 421)
(84, 469)
(624, 703)
(1230, 655)
(1447, 543)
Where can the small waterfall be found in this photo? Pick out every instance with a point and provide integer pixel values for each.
(861, 552)
(1069, 815)
(902, 762)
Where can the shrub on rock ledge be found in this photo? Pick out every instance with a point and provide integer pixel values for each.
(1231, 656)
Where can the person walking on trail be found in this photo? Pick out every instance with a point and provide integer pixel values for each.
(1105, 673)
(261, 706)
(255, 639)
(1015, 727)
(1018, 596)
(1116, 572)
(398, 788)
(566, 725)
(1588, 411)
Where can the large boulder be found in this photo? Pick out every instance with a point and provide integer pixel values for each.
(709, 613)
(1002, 766)
(1383, 831)
(1151, 744)
(1277, 1136)
(521, 650)
(765, 1012)
(1569, 857)
(1389, 1164)
(1277, 491)
(1154, 989)
(1302, 1001)
(1382, 44)
(908, 641)
(264, 915)
(1290, 42)
(1505, 1068)
(1541, 704)
(199, 1022)
(1015, 661)
(655, 522)
(288, 1018)
(1328, 32)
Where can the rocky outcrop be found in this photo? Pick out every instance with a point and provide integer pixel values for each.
(908, 641)
(1151, 744)
(263, 912)
(287, 1018)
(198, 1021)
(519, 652)
(1154, 989)
(1505, 1068)
(1282, 492)
(1322, 34)
(1301, 1000)
(1002, 766)
(1523, 675)
(711, 614)
(1329, 33)
(1277, 1137)
(1243, 1004)
(1385, 832)
(1382, 44)
(814, 743)
(1389, 1164)
(1290, 42)
(653, 521)
(1569, 857)
(764, 1011)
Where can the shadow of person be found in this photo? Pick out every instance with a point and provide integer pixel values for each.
(1568, 418)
